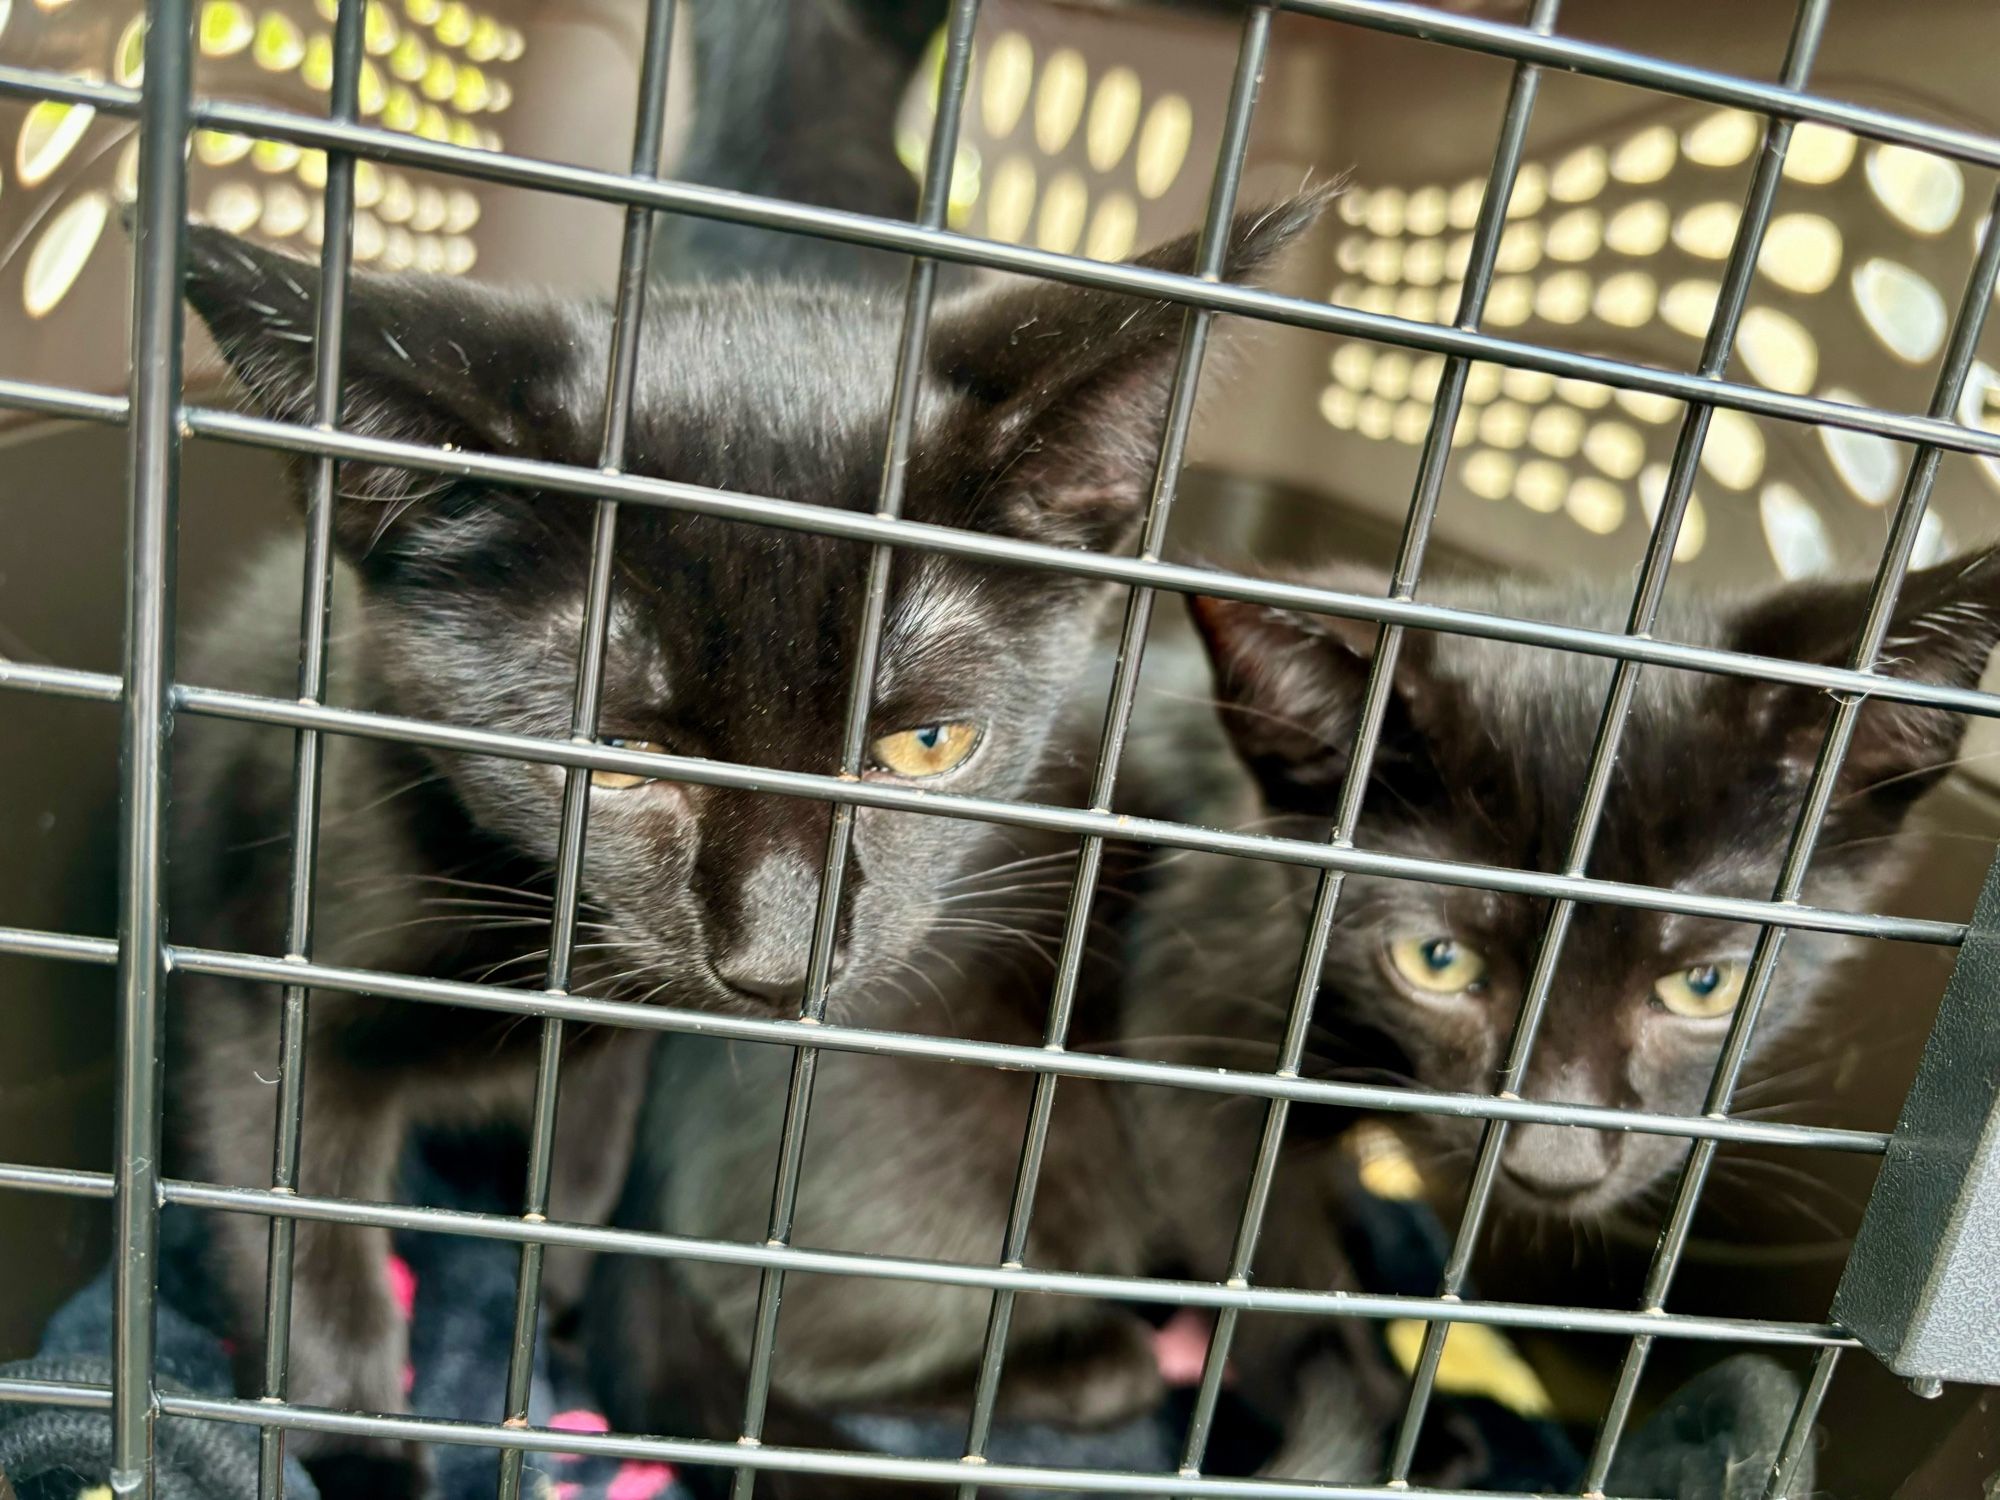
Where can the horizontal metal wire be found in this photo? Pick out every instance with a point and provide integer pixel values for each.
(1616, 65)
(1008, 1056)
(940, 244)
(56, 1392)
(978, 546)
(699, 1452)
(1372, 1306)
(1123, 827)
(1428, 23)
(1148, 831)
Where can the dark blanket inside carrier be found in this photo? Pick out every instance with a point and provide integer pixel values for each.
(459, 1295)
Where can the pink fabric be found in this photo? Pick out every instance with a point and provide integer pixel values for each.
(402, 1285)
(640, 1481)
(1181, 1346)
(579, 1421)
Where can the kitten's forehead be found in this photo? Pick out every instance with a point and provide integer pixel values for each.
(746, 636)
(780, 391)
(1685, 809)
(940, 614)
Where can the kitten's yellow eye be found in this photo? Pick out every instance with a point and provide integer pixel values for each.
(618, 781)
(1438, 965)
(928, 750)
(1700, 993)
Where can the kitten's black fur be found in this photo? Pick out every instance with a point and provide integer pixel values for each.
(797, 99)
(1039, 413)
(1482, 759)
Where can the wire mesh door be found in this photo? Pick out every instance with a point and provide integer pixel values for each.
(155, 416)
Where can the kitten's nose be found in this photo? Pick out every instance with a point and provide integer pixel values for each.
(776, 985)
(1558, 1161)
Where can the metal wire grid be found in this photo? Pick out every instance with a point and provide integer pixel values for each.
(156, 419)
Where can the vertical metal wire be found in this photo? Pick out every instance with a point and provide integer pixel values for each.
(1808, 25)
(315, 611)
(933, 202)
(1485, 250)
(160, 251)
(1211, 257)
(1967, 326)
(1798, 1435)
(648, 137)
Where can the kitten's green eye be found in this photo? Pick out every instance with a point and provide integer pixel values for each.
(1438, 965)
(928, 750)
(618, 781)
(1700, 993)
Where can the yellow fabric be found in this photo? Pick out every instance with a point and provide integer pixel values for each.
(1384, 1166)
(1477, 1361)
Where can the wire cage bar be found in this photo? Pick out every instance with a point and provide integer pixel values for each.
(1484, 254)
(648, 139)
(155, 418)
(154, 433)
(1196, 326)
(1895, 564)
(934, 199)
(315, 621)
(1718, 345)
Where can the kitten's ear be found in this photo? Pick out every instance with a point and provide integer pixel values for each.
(1946, 625)
(424, 359)
(1289, 688)
(1066, 387)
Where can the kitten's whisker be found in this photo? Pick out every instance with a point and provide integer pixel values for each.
(1015, 866)
(1941, 835)
(455, 882)
(488, 903)
(1780, 1109)
(1786, 1172)
(1006, 890)
(458, 921)
(902, 967)
(1798, 1074)
(1910, 775)
(1798, 1205)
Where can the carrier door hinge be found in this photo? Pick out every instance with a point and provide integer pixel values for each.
(1922, 1286)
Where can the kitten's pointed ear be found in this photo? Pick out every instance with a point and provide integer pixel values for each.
(1066, 387)
(424, 359)
(1289, 687)
(1946, 625)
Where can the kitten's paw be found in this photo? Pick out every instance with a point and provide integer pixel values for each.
(373, 1476)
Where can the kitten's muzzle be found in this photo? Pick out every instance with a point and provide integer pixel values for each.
(780, 986)
(1558, 1165)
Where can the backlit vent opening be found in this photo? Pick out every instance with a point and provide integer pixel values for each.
(438, 69)
(1620, 248)
(1072, 153)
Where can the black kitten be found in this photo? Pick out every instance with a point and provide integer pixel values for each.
(1483, 759)
(769, 77)
(461, 602)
